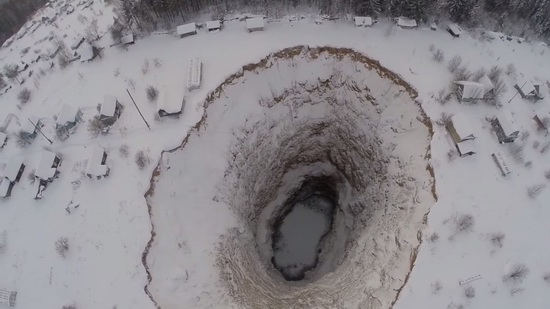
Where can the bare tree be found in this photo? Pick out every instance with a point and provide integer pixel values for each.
(438, 55)
(478, 74)
(436, 287)
(469, 292)
(462, 223)
(145, 66)
(454, 63)
(443, 96)
(152, 93)
(511, 69)
(462, 73)
(142, 159)
(124, 151)
(495, 73)
(445, 119)
(516, 151)
(546, 277)
(62, 246)
(96, 126)
(92, 33)
(3, 241)
(433, 238)
(516, 274)
(534, 191)
(497, 239)
(24, 96)
(11, 71)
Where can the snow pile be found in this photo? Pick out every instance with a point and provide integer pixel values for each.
(295, 116)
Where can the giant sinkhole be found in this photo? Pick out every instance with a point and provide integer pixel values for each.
(327, 173)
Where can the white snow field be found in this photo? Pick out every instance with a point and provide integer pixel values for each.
(211, 246)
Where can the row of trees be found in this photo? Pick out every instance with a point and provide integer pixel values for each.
(151, 14)
(14, 13)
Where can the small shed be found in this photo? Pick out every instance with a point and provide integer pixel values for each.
(498, 158)
(460, 129)
(406, 23)
(47, 166)
(171, 101)
(77, 43)
(505, 127)
(5, 191)
(363, 21)
(186, 29)
(14, 169)
(86, 52)
(433, 26)
(194, 74)
(454, 30)
(128, 39)
(255, 24)
(68, 117)
(97, 167)
(529, 90)
(110, 110)
(213, 25)
(468, 91)
(466, 148)
(3, 139)
(541, 125)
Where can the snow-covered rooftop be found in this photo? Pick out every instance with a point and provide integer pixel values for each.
(406, 22)
(462, 126)
(29, 125)
(213, 25)
(4, 188)
(94, 166)
(86, 52)
(471, 90)
(194, 72)
(507, 123)
(45, 170)
(467, 147)
(527, 86)
(12, 168)
(255, 23)
(127, 39)
(487, 83)
(363, 21)
(108, 107)
(68, 114)
(455, 29)
(186, 29)
(171, 99)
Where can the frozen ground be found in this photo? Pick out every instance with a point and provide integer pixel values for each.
(109, 230)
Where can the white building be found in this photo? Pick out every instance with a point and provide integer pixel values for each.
(255, 24)
(47, 166)
(127, 39)
(468, 91)
(505, 127)
(194, 74)
(110, 110)
(14, 169)
(86, 52)
(454, 30)
(529, 89)
(363, 21)
(171, 101)
(68, 117)
(213, 25)
(7, 297)
(406, 23)
(186, 29)
(5, 191)
(96, 166)
(460, 128)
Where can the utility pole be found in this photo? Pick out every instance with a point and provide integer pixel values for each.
(37, 128)
(138, 110)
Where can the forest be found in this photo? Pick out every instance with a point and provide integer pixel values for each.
(524, 17)
(14, 13)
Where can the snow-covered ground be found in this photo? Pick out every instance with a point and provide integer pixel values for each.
(110, 228)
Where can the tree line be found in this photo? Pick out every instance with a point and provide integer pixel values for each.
(14, 13)
(534, 15)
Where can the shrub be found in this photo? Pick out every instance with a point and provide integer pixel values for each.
(62, 246)
(547, 174)
(454, 63)
(494, 73)
(535, 190)
(95, 126)
(124, 151)
(142, 159)
(3, 241)
(516, 151)
(436, 287)
(443, 96)
(462, 73)
(511, 69)
(536, 145)
(500, 86)
(157, 62)
(546, 277)
(463, 223)
(451, 155)
(445, 119)
(152, 93)
(22, 139)
(478, 74)
(24, 96)
(517, 273)
(62, 60)
(145, 66)
(11, 71)
(434, 237)
(497, 239)
(528, 164)
(545, 147)
(31, 177)
(438, 55)
(469, 292)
